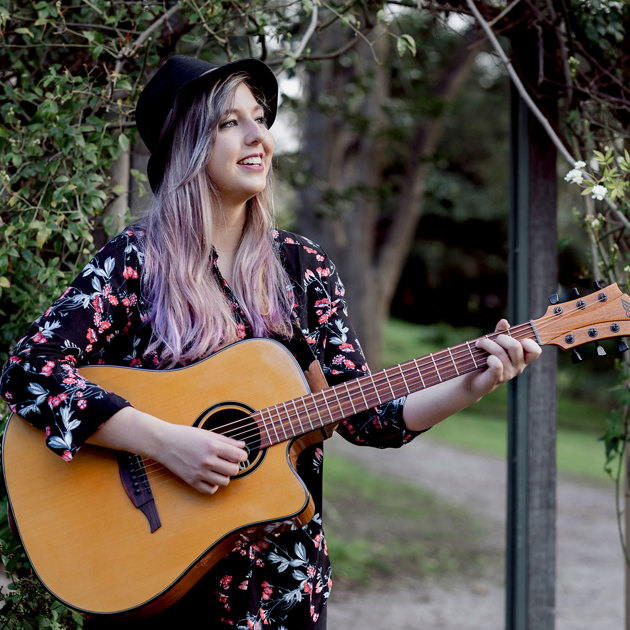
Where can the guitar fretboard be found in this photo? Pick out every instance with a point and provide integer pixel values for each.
(296, 417)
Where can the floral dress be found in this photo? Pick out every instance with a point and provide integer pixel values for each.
(282, 580)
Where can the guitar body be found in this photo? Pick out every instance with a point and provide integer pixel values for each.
(94, 549)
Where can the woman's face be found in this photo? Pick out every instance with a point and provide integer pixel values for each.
(242, 151)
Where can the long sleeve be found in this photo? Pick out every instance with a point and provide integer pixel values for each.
(41, 380)
(321, 310)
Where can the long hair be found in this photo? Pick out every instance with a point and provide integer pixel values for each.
(190, 314)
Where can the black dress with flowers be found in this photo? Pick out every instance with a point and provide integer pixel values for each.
(282, 580)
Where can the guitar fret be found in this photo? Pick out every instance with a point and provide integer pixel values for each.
(289, 419)
(297, 415)
(367, 406)
(404, 379)
(436, 367)
(453, 360)
(375, 389)
(330, 413)
(266, 429)
(391, 389)
(419, 370)
(472, 356)
(308, 415)
(273, 426)
(334, 391)
(286, 437)
(350, 398)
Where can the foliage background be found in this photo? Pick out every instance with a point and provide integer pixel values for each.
(72, 70)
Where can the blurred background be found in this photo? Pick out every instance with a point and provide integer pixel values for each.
(392, 152)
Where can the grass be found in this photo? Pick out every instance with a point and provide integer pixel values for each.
(483, 428)
(378, 528)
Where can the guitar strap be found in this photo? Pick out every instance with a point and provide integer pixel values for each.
(301, 350)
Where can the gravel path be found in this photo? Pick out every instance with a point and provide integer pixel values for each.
(590, 575)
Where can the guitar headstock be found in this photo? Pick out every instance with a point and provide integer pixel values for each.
(603, 314)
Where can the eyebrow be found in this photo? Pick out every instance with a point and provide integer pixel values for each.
(235, 110)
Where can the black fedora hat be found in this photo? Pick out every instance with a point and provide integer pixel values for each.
(178, 80)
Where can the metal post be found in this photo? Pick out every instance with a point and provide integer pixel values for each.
(530, 545)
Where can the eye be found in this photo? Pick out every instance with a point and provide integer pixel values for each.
(262, 120)
(228, 123)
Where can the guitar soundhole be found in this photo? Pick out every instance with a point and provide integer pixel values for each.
(233, 420)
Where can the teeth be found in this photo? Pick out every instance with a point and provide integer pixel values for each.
(252, 160)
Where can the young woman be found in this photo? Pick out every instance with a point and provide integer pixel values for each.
(204, 269)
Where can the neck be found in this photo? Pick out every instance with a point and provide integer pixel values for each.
(227, 230)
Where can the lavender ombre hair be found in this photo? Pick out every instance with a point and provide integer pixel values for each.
(190, 314)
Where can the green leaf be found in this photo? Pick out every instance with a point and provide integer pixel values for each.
(5, 283)
(42, 237)
(24, 31)
(288, 63)
(406, 42)
(123, 141)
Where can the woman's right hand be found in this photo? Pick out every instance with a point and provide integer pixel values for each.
(203, 459)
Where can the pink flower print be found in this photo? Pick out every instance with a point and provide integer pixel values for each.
(267, 591)
(38, 337)
(130, 272)
(67, 456)
(82, 403)
(324, 272)
(48, 368)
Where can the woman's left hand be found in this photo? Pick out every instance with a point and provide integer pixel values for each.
(507, 359)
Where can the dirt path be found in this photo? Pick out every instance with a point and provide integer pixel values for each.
(590, 577)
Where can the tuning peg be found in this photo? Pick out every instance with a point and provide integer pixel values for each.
(597, 284)
(622, 346)
(574, 293)
(576, 357)
(554, 298)
(600, 351)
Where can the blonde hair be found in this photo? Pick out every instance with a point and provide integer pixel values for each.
(190, 314)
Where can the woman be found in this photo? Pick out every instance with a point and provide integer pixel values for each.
(205, 269)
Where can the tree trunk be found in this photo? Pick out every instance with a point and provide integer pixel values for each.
(342, 159)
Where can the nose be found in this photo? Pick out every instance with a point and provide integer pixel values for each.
(254, 133)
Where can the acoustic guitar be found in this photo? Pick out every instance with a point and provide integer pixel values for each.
(114, 534)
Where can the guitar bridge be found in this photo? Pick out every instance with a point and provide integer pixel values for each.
(136, 484)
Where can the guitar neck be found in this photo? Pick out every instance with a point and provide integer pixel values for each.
(296, 417)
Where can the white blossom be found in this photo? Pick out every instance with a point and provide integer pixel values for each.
(574, 176)
(599, 192)
(579, 164)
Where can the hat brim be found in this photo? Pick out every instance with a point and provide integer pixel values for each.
(261, 77)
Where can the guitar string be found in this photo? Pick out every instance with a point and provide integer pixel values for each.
(345, 398)
(448, 358)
